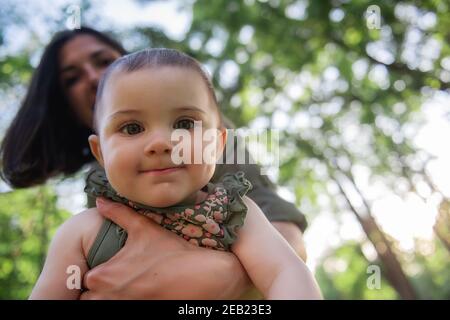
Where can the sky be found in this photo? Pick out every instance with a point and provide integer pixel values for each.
(390, 210)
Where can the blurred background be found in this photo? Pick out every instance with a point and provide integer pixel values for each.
(360, 94)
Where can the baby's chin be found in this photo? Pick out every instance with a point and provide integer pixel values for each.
(160, 201)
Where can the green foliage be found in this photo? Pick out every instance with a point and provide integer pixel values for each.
(28, 219)
(344, 273)
(14, 70)
(431, 264)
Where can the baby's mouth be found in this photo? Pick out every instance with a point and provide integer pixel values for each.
(161, 171)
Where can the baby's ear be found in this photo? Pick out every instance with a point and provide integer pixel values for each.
(94, 144)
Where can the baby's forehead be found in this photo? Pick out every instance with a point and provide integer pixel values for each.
(164, 84)
(119, 86)
(147, 77)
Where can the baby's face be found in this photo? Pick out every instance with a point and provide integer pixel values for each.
(140, 110)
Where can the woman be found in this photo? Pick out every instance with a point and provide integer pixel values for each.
(48, 137)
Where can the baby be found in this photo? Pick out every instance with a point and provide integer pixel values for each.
(142, 100)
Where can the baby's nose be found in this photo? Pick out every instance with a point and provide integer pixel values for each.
(159, 144)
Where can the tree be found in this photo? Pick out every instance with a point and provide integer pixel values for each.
(28, 219)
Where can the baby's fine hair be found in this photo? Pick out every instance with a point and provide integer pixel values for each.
(152, 58)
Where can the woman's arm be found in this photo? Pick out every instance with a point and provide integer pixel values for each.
(272, 265)
(65, 264)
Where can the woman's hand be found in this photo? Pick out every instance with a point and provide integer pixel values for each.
(157, 264)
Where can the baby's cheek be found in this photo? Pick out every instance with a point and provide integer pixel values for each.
(115, 180)
(200, 175)
(119, 175)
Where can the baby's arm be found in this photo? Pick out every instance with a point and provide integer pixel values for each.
(66, 260)
(270, 262)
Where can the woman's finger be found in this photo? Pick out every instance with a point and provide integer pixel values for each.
(121, 215)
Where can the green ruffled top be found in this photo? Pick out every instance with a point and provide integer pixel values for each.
(212, 223)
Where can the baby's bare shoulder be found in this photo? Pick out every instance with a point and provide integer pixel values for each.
(86, 225)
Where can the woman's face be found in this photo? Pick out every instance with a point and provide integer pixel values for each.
(82, 62)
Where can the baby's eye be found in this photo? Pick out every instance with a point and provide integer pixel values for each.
(131, 129)
(184, 124)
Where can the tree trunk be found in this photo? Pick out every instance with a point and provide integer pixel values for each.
(442, 226)
(392, 267)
